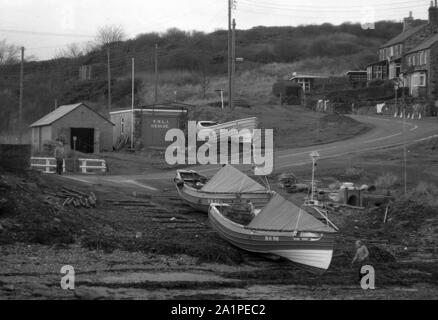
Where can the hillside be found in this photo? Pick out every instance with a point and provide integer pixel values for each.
(192, 67)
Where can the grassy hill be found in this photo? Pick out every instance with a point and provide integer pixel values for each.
(192, 67)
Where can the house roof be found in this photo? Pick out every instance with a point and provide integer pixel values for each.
(61, 112)
(426, 44)
(403, 36)
(162, 107)
(306, 76)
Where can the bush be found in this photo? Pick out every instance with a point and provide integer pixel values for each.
(425, 193)
(386, 181)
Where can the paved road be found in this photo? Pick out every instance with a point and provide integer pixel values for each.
(387, 132)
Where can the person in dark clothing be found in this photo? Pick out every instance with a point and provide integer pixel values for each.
(59, 156)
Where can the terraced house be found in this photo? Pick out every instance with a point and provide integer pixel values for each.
(410, 55)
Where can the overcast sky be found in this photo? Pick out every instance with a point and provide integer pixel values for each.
(45, 26)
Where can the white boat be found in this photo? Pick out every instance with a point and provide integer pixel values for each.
(245, 127)
(280, 228)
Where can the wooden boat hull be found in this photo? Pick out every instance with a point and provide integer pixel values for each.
(201, 201)
(310, 250)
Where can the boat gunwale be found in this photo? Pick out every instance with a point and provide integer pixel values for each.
(280, 232)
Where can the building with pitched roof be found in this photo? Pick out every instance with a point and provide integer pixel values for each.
(80, 127)
(392, 55)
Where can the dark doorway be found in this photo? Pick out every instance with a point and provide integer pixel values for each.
(353, 201)
(84, 139)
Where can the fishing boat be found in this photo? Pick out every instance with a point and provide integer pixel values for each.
(228, 186)
(209, 127)
(281, 228)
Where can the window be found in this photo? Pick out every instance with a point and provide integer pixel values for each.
(422, 80)
(122, 125)
(378, 72)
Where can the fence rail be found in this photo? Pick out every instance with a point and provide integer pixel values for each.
(47, 166)
(85, 167)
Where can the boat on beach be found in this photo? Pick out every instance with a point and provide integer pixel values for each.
(208, 127)
(227, 186)
(280, 228)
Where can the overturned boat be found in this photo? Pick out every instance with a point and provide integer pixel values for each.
(280, 228)
(244, 130)
(227, 186)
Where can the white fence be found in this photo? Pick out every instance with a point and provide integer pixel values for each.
(48, 165)
(93, 165)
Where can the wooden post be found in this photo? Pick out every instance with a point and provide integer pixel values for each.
(132, 104)
(156, 73)
(109, 78)
(233, 63)
(230, 53)
(20, 108)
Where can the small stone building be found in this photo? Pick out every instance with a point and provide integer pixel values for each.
(151, 124)
(78, 125)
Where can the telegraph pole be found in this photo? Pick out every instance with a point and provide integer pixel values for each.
(20, 108)
(230, 54)
(156, 73)
(233, 63)
(109, 78)
(132, 104)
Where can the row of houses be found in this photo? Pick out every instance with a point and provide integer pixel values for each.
(83, 129)
(411, 58)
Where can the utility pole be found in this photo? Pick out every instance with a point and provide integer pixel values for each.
(230, 53)
(109, 78)
(156, 73)
(132, 104)
(233, 64)
(20, 108)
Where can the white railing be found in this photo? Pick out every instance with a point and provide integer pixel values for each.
(85, 165)
(49, 165)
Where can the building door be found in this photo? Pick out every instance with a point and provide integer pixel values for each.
(82, 139)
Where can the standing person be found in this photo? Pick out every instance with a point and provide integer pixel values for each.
(59, 156)
(361, 256)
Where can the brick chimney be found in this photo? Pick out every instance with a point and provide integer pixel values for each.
(433, 13)
(408, 22)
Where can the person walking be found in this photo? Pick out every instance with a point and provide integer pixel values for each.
(59, 156)
(361, 256)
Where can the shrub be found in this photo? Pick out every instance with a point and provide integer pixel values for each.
(386, 181)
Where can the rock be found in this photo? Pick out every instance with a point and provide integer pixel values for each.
(1, 228)
(91, 294)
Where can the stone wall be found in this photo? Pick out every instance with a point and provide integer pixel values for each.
(15, 157)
